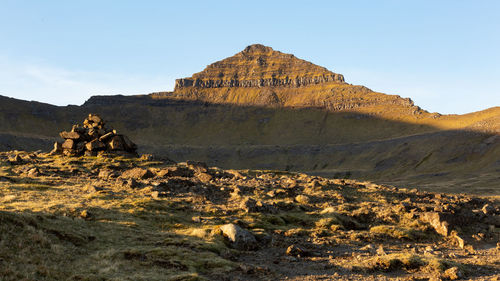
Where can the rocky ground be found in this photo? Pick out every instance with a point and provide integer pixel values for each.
(114, 218)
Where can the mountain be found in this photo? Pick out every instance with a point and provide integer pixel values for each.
(265, 109)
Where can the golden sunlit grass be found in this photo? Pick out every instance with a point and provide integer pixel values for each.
(72, 221)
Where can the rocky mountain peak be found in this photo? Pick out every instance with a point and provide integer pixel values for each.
(260, 66)
(257, 48)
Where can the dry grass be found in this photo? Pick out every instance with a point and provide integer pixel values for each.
(68, 223)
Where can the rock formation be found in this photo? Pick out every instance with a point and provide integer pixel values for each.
(260, 66)
(93, 138)
(261, 76)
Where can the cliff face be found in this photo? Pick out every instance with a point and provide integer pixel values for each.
(260, 66)
(261, 76)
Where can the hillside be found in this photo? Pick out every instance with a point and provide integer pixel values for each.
(98, 218)
(263, 109)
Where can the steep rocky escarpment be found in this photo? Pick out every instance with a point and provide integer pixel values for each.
(260, 66)
(267, 82)
(261, 76)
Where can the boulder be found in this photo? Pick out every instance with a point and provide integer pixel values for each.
(437, 221)
(137, 173)
(95, 145)
(68, 144)
(116, 143)
(70, 135)
(238, 237)
(204, 177)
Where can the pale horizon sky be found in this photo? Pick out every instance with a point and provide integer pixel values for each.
(444, 55)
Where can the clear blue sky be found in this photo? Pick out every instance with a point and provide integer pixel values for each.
(445, 55)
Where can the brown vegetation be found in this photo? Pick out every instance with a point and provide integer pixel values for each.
(94, 218)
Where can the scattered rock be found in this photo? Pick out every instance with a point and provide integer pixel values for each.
(436, 221)
(15, 159)
(33, 172)
(381, 251)
(156, 195)
(488, 209)
(458, 240)
(302, 199)
(296, 251)
(452, 273)
(106, 174)
(174, 172)
(199, 167)
(85, 214)
(145, 157)
(92, 188)
(238, 237)
(250, 205)
(131, 183)
(137, 173)
(204, 177)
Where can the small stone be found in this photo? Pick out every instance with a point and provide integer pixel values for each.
(204, 177)
(155, 195)
(15, 159)
(146, 157)
(92, 188)
(488, 209)
(302, 199)
(452, 273)
(196, 166)
(457, 239)
(33, 172)
(174, 172)
(296, 251)
(85, 214)
(381, 251)
(106, 174)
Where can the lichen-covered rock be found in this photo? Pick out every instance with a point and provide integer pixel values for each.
(436, 220)
(238, 237)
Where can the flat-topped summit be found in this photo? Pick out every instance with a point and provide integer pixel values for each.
(260, 66)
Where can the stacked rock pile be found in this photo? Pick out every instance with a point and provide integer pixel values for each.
(93, 138)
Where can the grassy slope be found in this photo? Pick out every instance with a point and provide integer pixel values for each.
(76, 220)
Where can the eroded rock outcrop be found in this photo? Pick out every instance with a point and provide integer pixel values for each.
(260, 66)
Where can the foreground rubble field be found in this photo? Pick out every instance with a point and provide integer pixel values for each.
(98, 218)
